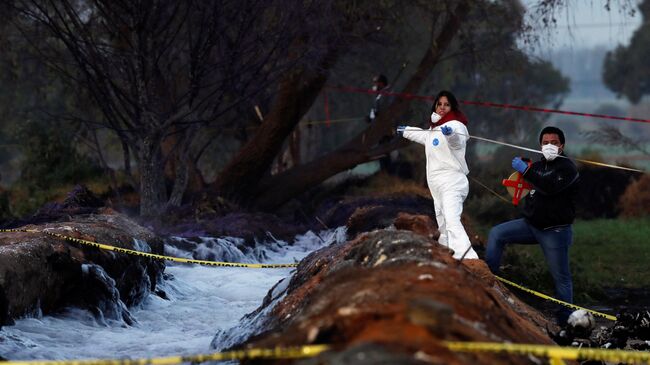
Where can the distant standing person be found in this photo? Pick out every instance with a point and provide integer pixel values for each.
(379, 84)
(381, 102)
(549, 211)
(444, 147)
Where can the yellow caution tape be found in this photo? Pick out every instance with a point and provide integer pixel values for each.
(273, 353)
(553, 352)
(18, 230)
(264, 266)
(542, 295)
(153, 255)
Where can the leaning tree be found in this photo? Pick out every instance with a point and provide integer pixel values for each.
(162, 70)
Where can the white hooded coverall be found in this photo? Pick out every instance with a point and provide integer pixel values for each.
(447, 180)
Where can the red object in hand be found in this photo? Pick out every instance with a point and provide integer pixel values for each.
(517, 186)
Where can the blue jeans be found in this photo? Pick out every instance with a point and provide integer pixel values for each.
(555, 244)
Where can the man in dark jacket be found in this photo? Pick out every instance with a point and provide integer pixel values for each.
(548, 213)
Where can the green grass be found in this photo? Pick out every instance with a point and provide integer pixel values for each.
(616, 252)
(605, 253)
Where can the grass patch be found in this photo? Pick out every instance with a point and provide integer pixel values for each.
(615, 251)
(605, 253)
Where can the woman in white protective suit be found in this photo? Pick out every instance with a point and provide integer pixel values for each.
(444, 147)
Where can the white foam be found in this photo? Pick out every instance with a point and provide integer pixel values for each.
(202, 301)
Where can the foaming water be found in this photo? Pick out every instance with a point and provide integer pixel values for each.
(201, 302)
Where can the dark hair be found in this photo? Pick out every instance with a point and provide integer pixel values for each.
(381, 78)
(551, 130)
(452, 100)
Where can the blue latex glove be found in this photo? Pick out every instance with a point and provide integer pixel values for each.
(446, 130)
(400, 130)
(519, 165)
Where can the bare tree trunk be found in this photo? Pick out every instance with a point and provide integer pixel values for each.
(240, 177)
(187, 180)
(111, 173)
(294, 147)
(280, 188)
(126, 155)
(153, 193)
(180, 184)
(362, 148)
(177, 149)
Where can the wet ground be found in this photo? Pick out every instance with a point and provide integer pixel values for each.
(627, 299)
(631, 330)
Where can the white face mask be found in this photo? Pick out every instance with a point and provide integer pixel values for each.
(435, 117)
(550, 151)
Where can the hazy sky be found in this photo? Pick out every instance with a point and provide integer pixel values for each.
(587, 23)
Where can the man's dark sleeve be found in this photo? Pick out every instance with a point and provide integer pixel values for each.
(552, 180)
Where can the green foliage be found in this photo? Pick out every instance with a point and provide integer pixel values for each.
(605, 253)
(626, 70)
(484, 63)
(24, 201)
(39, 151)
(497, 71)
(49, 167)
(50, 159)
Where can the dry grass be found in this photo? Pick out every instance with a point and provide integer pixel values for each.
(635, 202)
(383, 184)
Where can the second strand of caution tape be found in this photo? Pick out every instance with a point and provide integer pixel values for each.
(272, 353)
(153, 255)
(547, 297)
(547, 351)
(553, 352)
